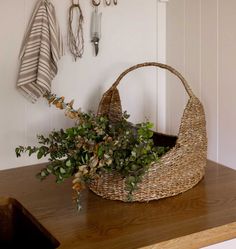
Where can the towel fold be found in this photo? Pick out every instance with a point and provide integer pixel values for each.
(41, 49)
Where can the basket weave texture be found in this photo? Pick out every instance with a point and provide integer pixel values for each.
(180, 169)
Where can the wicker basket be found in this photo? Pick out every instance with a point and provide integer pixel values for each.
(180, 169)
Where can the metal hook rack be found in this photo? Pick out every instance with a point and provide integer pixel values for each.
(96, 3)
(96, 22)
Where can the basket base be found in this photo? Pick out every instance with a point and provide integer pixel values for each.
(160, 192)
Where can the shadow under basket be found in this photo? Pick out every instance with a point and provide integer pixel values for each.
(177, 171)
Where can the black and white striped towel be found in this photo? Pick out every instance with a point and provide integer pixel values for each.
(41, 49)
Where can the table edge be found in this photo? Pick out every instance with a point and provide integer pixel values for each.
(200, 239)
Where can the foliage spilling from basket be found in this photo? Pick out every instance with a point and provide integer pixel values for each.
(95, 145)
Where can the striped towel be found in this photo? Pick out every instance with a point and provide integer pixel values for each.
(41, 49)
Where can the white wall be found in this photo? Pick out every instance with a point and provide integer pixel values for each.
(201, 43)
(128, 36)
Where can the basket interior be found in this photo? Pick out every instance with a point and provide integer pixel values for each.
(161, 139)
(164, 140)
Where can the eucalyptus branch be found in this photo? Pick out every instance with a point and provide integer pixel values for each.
(59, 102)
(93, 145)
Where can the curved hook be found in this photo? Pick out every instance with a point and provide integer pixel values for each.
(108, 2)
(96, 3)
(115, 2)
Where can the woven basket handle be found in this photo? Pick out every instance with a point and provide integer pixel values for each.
(110, 104)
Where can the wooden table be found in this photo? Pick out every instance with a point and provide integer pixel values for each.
(201, 216)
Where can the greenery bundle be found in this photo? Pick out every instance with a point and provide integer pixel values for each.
(93, 145)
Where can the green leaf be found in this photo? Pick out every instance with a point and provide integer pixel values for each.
(17, 151)
(131, 179)
(40, 154)
(62, 170)
(83, 160)
(43, 174)
(68, 163)
(116, 147)
(134, 167)
(100, 151)
(49, 170)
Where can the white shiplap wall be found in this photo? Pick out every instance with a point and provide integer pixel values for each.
(128, 37)
(201, 43)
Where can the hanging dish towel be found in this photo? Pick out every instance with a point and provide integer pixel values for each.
(41, 49)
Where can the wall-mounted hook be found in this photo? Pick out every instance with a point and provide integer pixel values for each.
(75, 3)
(96, 2)
(108, 2)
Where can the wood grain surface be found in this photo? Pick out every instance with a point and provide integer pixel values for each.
(189, 218)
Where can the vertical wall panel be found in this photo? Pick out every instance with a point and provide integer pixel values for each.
(176, 58)
(161, 74)
(209, 72)
(227, 82)
(192, 43)
(12, 116)
(210, 40)
(203, 44)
